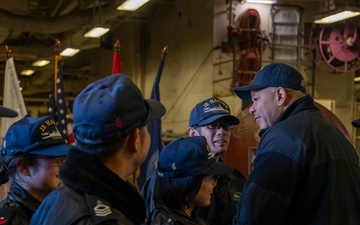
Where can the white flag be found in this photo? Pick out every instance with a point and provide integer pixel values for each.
(12, 97)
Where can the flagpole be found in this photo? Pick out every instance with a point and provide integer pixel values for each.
(117, 46)
(57, 49)
(162, 56)
(164, 53)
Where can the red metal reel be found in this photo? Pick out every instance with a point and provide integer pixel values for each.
(339, 46)
(312, 52)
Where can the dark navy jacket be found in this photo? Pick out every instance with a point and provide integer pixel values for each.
(223, 201)
(18, 207)
(305, 172)
(166, 216)
(91, 194)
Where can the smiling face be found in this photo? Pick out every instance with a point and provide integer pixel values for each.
(265, 108)
(217, 135)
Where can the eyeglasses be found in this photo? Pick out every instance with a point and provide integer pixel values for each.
(59, 160)
(217, 125)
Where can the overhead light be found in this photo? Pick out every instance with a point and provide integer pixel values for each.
(27, 72)
(69, 52)
(132, 5)
(357, 79)
(337, 15)
(262, 1)
(41, 63)
(96, 32)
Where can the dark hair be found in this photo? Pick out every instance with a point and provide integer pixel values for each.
(91, 132)
(177, 191)
(8, 163)
(198, 129)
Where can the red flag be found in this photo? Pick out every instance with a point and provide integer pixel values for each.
(116, 68)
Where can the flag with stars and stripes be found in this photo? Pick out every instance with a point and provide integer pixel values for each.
(57, 104)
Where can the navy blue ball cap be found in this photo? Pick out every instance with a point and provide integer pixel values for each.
(189, 157)
(272, 75)
(37, 136)
(210, 110)
(356, 123)
(111, 108)
(6, 112)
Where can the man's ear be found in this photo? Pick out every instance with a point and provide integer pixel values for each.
(281, 96)
(133, 138)
(23, 168)
(192, 132)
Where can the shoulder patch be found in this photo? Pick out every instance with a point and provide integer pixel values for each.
(100, 209)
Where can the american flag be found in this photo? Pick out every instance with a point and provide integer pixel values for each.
(57, 104)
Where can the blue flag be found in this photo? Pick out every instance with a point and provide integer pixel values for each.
(154, 127)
